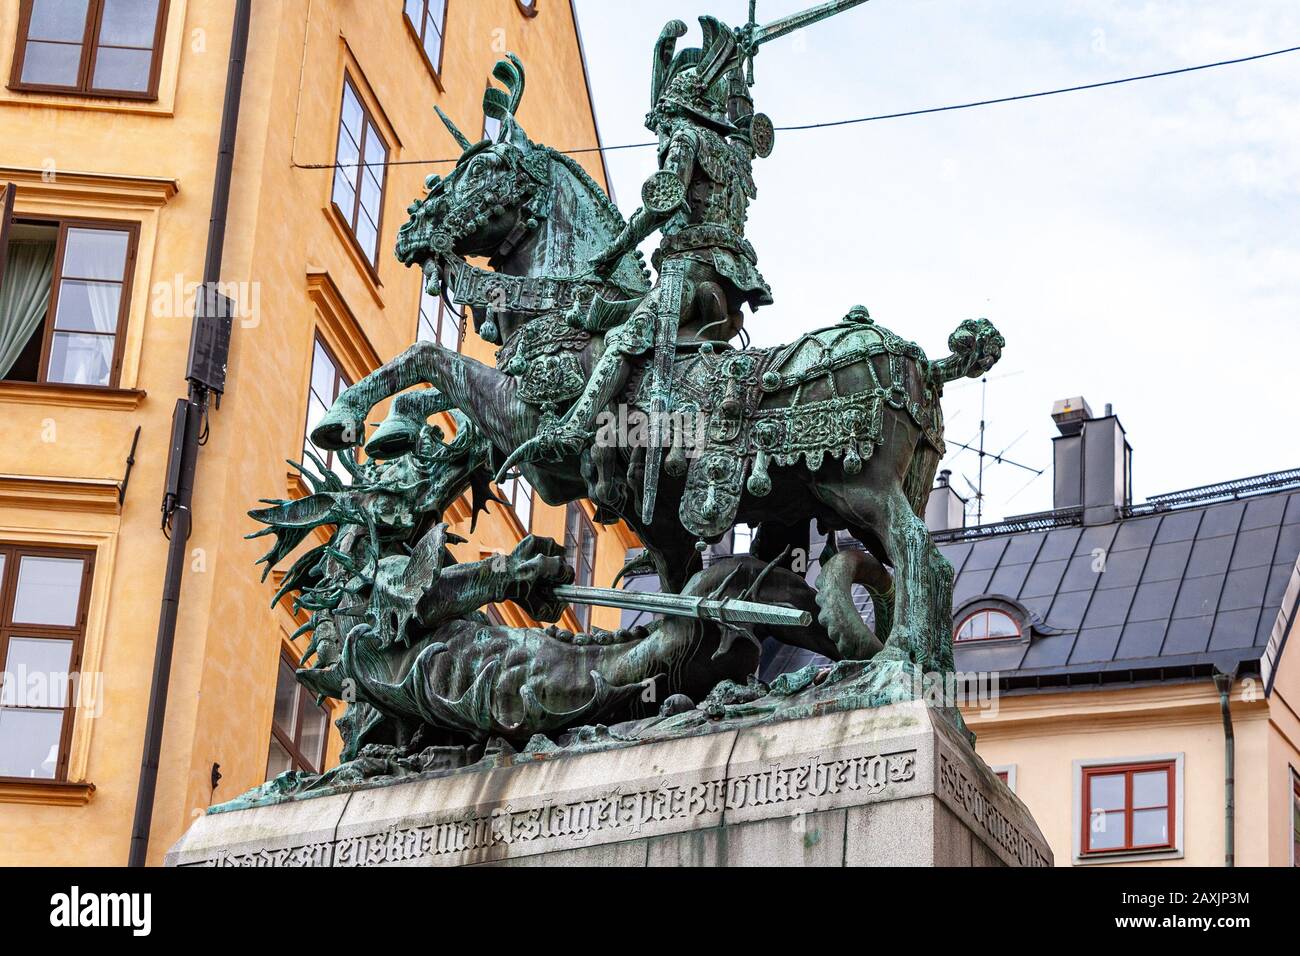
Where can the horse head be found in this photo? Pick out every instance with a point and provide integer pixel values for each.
(526, 208)
(491, 193)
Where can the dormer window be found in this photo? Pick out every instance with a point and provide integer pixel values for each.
(987, 624)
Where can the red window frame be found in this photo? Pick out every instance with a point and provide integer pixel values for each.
(1128, 771)
(996, 637)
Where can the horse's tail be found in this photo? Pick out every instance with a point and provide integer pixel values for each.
(920, 476)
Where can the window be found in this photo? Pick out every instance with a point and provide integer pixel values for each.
(43, 598)
(580, 551)
(987, 624)
(299, 727)
(428, 21)
(97, 47)
(1128, 808)
(1007, 774)
(360, 173)
(519, 493)
(742, 539)
(439, 322)
(491, 125)
(64, 295)
(327, 380)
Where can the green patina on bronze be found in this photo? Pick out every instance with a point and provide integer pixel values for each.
(843, 426)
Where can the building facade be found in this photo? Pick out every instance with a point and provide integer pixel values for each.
(113, 113)
(1129, 661)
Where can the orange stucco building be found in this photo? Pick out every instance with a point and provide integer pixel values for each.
(112, 123)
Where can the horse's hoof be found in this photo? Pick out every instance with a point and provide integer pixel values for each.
(338, 434)
(393, 440)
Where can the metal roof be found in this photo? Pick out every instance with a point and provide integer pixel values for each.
(1172, 589)
(1149, 596)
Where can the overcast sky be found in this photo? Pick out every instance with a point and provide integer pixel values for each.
(1138, 245)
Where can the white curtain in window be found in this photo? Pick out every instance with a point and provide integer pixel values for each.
(24, 296)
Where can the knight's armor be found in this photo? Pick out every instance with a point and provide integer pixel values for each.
(699, 201)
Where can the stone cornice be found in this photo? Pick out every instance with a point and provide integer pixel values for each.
(51, 793)
(71, 396)
(96, 495)
(94, 189)
(343, 331)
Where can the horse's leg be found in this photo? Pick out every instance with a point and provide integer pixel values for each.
(344, 424)
(484, 394)
(922, 625)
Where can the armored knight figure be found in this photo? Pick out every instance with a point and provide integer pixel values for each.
(699, 200)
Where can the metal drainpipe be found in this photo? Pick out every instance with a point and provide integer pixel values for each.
(193, 410)
(1224, 683)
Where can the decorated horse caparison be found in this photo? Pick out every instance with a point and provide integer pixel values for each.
(842, 426)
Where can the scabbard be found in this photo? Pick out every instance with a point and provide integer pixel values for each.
(672, 279)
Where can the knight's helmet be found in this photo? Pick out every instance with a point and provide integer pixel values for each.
(678, 89)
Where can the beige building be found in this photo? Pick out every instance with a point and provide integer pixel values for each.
(1136, 690)
(113, 125)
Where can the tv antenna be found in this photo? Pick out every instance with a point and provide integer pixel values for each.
(977, 487)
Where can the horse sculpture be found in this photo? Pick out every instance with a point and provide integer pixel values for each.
(843, 425)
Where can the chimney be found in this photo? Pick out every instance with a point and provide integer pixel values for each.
(1092, 462)
(946, 510)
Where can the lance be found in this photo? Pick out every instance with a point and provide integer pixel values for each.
(745, 41)
(725, 611)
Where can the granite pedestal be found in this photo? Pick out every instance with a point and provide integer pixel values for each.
(887, 786)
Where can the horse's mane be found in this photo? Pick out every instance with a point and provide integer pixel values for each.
(604, 205)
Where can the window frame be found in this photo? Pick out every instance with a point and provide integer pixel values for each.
(350, 220)
(64, 225)
(1084, 770)
(576, 515)
(417, 34)
(440, 319)
(13, 553)
(511, 491)
(975, 612)
(89, 53)
(340, 376)
(293, 747)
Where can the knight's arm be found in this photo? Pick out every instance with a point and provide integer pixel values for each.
(663, 195)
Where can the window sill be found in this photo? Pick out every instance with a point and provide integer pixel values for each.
(29, 96)
(50, 793)
(1129, 856)
(75, 396)
(368, 270)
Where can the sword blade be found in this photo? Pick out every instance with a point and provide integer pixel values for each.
(797, 21)
(726, 611)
